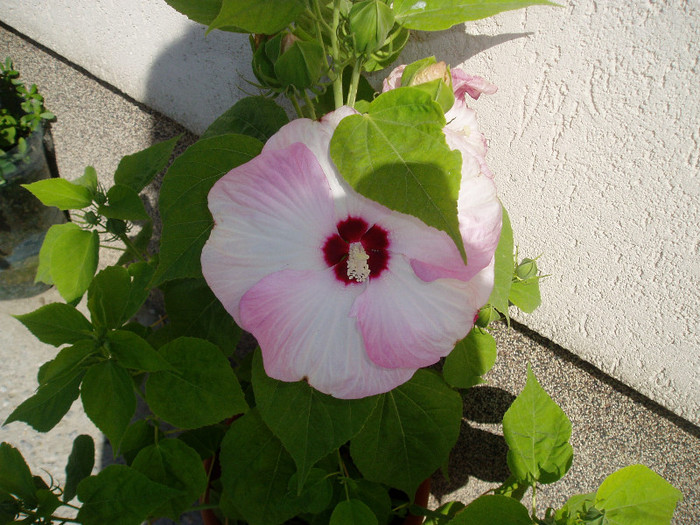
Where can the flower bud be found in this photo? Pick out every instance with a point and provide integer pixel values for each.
(100, 198)
(116, 226)
(91, 218)
(369, 23)
(301, 65)
(432, 77)
(527, 269)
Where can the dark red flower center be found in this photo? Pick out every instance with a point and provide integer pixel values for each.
(357, 252)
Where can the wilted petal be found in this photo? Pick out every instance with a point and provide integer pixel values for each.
(300, 319)
(407, 322)
(472, 85)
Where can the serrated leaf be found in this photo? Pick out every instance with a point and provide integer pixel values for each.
(137, 171)
(120, 495)
(73, 262)
(202, 389)
(471, 358)
(194, 310)
(80, 464)
(15, 476)
(352, 512)
(172, 463)
(494, 510)
(410, 433)
(57, 324)
(123, 202)
(258, 117)
(69, 361)
(43, 272)
(537, 433)
(310, 424)
(503, 268)
(256, 470)
(61, 193)
(636, 495)
(183, 201)
(436, 15)
(108, 397)
(258, 16)
(396, 154)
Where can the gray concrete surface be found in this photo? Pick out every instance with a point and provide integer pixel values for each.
(613, 426)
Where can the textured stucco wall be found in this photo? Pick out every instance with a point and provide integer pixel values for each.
(594, 137)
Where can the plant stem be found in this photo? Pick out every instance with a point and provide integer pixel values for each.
(534, 500)
(310, 105)
(295, 103)
(344, 473)
(354, 82)
(335, 56)
(132, 247)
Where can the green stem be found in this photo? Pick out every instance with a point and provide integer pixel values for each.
(534, 500)
(295, 103)
(335, 56)
(132, 247)
(310, 105)
(354, 82)
(344, 473)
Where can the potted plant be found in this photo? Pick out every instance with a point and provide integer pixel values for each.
(23, 219)
(362, 245)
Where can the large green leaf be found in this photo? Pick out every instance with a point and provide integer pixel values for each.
(410, 433)
(201, 390)
(435, 15)
(61, 193)
(310, 424)
(73, 262)
(183, 201)
(471, 358)
(57, 324)
(123, 202)
(137, 170)
(525, 294)
(194, 310)
(202, 11)
(43, 272)
(494, 510)
(352, 512)
(259, 117)
(132, 351)
(636, 495)
(396, 154)
(256, 472)
(172, 463)
(80, 463)
(503, 270)
(537, 433)
(119, 495)
(15, 476)
(108, 397)
(258, 16)
(108, 296)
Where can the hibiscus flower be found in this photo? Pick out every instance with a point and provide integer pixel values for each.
(337, 289)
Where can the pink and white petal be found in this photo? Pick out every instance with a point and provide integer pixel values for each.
(462, 134)
(272, 213)
(394, 79)
(408, 323)
(300, 319)
(474, 86)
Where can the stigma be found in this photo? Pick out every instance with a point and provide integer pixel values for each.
(358, 267)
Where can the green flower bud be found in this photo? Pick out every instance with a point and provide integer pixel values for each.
(487, 315)
(301, 65)
(527, 269)
(100, 198)
(369, 23)
(91, 218)
(116, 226)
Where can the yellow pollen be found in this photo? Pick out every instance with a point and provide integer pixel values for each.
(358, 268)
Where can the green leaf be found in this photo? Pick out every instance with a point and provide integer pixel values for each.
(73, 262)
(202, 390)
(258, 16)
(57, 324)
(109, 400)
(131, 351)
(375, 495)
(202, 11)
(503, 269)
(140, 243)
(526, 294)
(80, 463)
(537, 433)
(172, 463)
(436, 15)
(119, 495)
(43, 272)
(574, 507)
(138, 170)
(310, 424)
(59, 386)
(256, 470)
(61, 193)
(410, 433)
(397, 155)
(108, 295)
(352, 512)
(123, 203)
(258, 117)
(183, 201)
(15, 476)
(88, 180)
(301, 65)
(471, 358)
(194, 310)
(636, 495)
(494, 510)
(138, 435)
